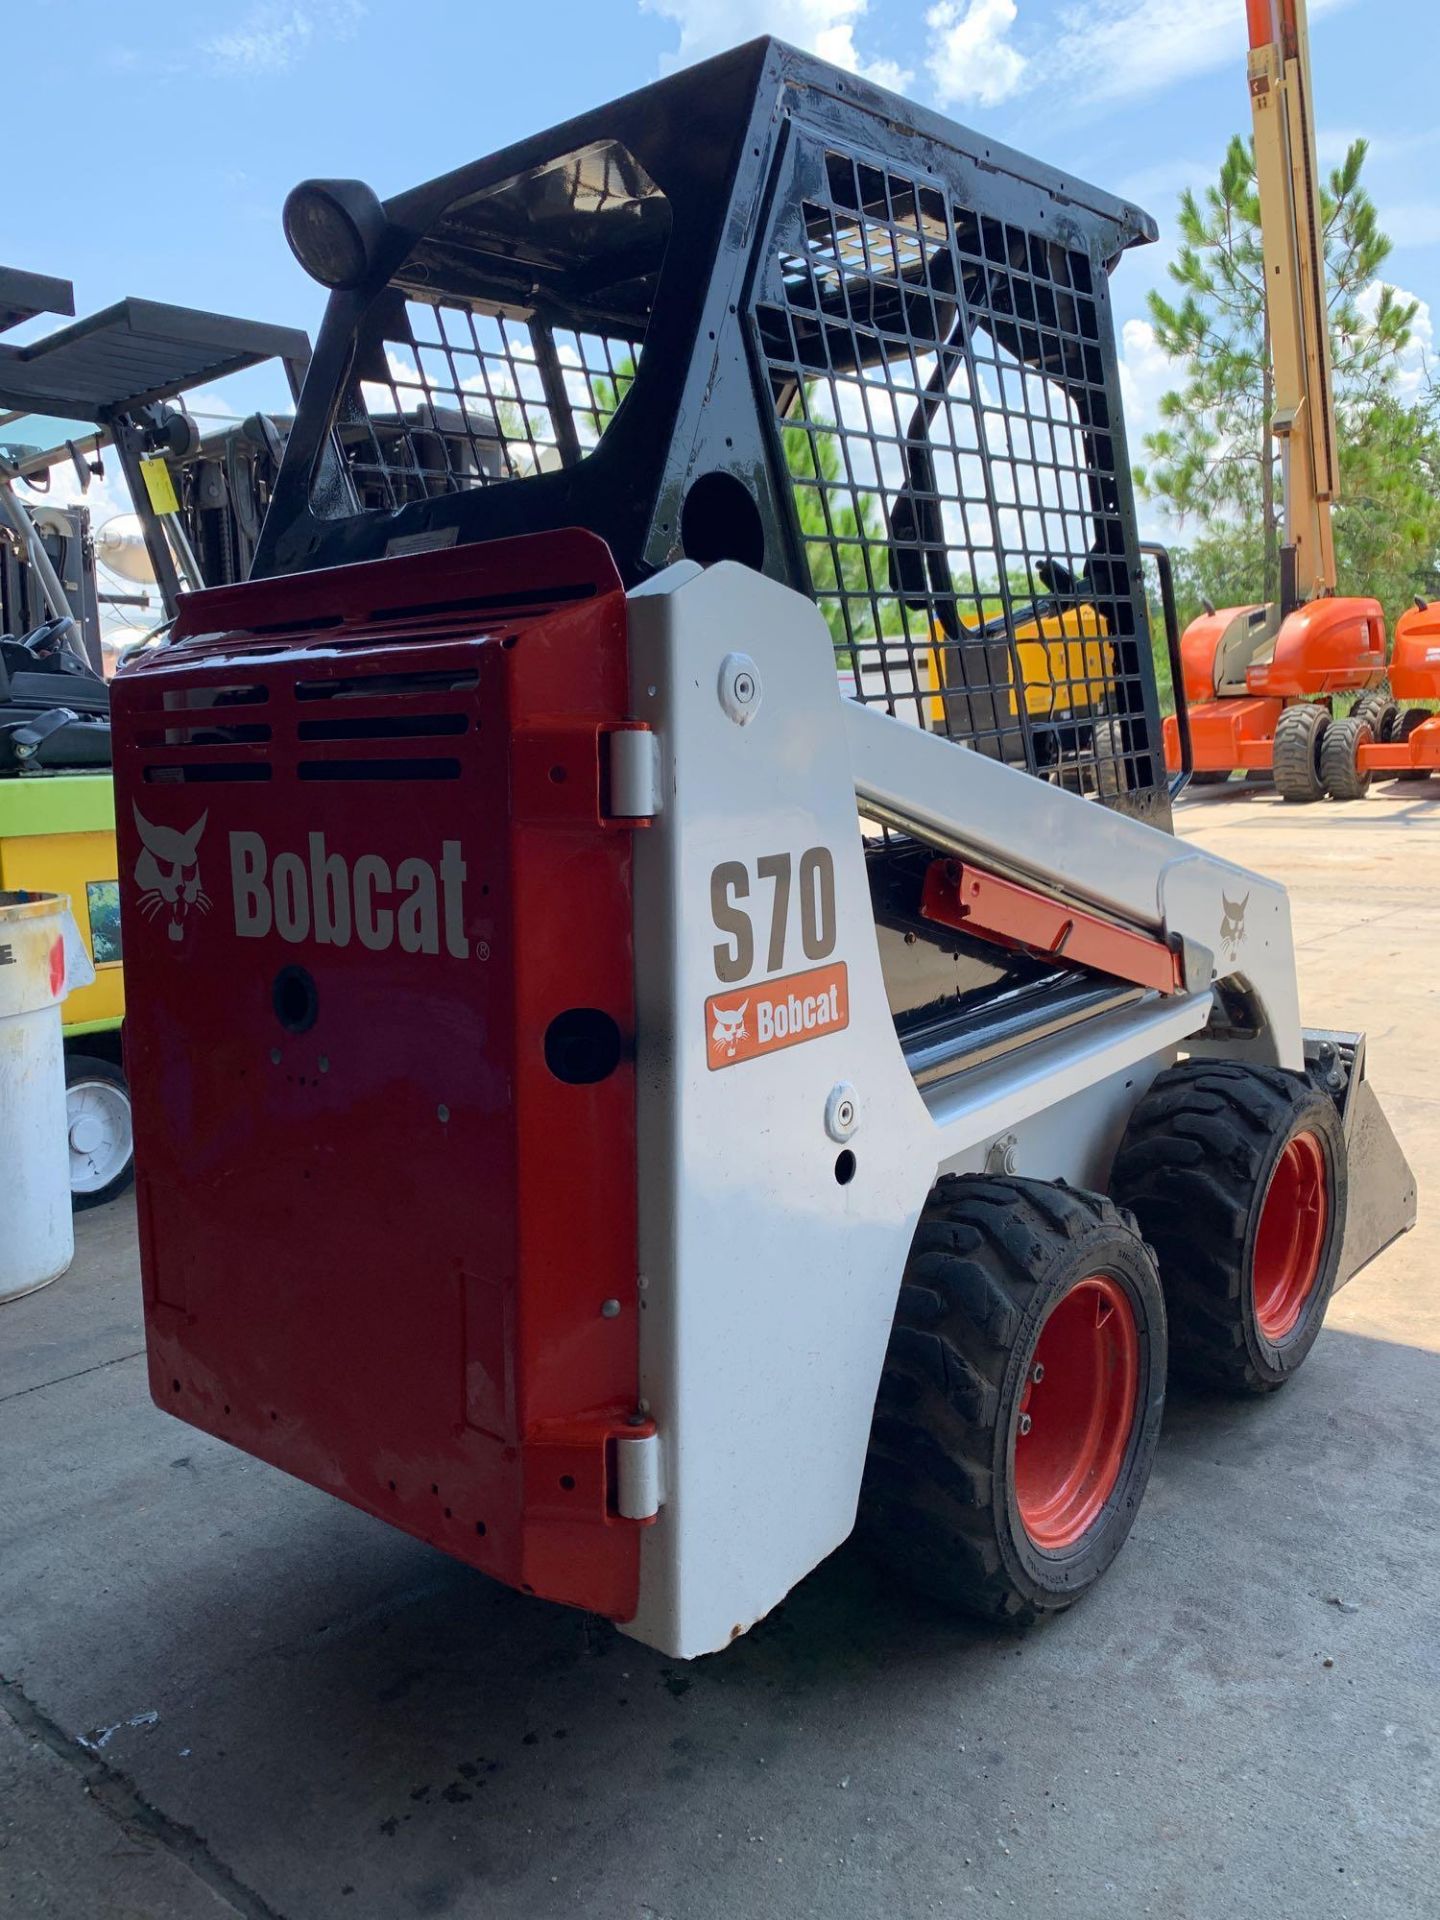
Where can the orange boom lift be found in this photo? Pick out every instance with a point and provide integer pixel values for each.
(1258, 680)
(1386, 738)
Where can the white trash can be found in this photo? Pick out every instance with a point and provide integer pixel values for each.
(41, 958)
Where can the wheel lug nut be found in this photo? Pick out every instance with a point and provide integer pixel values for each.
(1037, 1373)
(1024, 1423)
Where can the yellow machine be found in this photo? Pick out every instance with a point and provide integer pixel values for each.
(1066, 663)
(57, 835)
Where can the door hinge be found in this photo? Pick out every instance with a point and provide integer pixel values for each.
(639, 1494)
(631, 774)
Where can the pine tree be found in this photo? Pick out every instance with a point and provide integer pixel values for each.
(1213, 460)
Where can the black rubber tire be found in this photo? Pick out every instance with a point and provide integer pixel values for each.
(1377, 705)
(1112, 768)
(1340, 759)
(1411, 718)
(1299, 738)
(80, 1067)
(990, 1259)
(1195, 1166)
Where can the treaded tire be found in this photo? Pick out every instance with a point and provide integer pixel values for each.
(1377, 706)
(992, 1258)
(1196, 1166)
(1112, 768)
(1295, 760)
(1340, 759)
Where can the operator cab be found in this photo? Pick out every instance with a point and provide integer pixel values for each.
(749, 315)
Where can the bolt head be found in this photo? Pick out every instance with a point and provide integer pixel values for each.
(842, 1112)
(610, 1310)
(1024, 1423)
(739, 688)
(1037, 1372)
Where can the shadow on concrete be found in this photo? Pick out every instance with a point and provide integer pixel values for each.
(359, 1726)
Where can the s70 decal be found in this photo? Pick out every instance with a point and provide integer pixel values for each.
(801, 892)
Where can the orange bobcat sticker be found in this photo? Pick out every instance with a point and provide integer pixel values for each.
(748, 1021)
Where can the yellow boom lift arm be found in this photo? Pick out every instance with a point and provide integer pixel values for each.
(1291, 224)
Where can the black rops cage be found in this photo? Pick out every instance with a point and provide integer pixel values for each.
(763, 311)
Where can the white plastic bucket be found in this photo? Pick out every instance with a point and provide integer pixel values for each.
(41, 958)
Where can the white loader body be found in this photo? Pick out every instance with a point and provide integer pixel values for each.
(768, 1287)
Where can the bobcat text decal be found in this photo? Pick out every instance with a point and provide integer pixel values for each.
(776, 1014)
(417, 904)
(767, 1015)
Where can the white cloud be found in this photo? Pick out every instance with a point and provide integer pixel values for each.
(823, 27)
(970, 57)
(1111, 50)
(104, 497)
(273, 37)
(210, 405)
(1146, 374)
(1413, 377)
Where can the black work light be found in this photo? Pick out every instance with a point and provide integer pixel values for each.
(334, 228)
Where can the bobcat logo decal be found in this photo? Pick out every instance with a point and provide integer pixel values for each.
(729, 1030)
(168, 873)
(1232, 925)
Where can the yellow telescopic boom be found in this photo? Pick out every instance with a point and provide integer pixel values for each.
(1291, 227)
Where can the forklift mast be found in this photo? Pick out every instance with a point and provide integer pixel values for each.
(1292, 229)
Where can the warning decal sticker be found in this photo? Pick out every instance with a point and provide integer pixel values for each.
(763, 1018)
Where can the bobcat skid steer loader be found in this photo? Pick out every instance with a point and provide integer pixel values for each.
(640, 1064)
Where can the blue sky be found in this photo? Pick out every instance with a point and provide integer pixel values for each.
(167, 137)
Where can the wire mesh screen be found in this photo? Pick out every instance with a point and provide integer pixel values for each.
(508, 339)
(454, 396)
(940, 400)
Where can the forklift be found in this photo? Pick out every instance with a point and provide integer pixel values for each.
(1258, 683)
(636, 1069)
(109, 384)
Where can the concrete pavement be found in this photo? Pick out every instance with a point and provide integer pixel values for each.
(287, 1709)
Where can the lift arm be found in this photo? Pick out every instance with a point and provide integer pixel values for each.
(1291, 224)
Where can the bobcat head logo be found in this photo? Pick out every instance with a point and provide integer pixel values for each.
(168, 873)
(1232, 925)
(729, 1029)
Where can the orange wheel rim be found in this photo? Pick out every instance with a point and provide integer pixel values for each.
(1077, 1412)
(1290, 1240)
